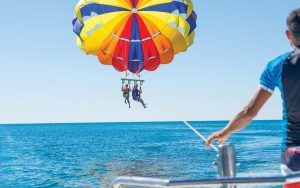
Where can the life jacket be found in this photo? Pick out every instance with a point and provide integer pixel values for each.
(126, 90)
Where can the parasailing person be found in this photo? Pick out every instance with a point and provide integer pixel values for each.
(136, 95)
(126, 92)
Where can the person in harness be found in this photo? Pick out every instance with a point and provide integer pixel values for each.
(136, 95)
(283, 73)
(126, 92)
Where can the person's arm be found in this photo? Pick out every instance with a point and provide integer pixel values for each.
(243, 118)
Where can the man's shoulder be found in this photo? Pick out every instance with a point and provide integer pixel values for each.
(278, 61)
(271, 75)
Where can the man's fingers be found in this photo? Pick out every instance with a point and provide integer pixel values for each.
(210, 139)
(208, 142)
(217, 135)
(222, 139)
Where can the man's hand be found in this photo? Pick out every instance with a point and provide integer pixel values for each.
(216, 136)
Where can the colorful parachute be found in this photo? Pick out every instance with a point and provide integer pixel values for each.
(134, 35)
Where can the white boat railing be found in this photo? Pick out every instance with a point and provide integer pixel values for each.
(163, 183)
(226, 163)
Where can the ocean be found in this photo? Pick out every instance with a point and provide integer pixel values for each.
(93, 154)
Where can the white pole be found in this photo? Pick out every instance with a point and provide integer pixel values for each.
(199, 134)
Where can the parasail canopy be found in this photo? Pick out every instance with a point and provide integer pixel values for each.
(134, 35)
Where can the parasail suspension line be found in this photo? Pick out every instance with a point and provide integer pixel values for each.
(199, 135)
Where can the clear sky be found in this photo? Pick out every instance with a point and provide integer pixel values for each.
(44, 77)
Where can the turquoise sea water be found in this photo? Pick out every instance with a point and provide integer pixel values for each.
(92, 155)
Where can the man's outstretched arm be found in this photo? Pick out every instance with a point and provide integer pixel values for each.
(243, 118)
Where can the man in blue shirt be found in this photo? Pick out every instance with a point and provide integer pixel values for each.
(283, 73)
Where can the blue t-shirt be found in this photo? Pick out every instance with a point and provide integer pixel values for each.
(272, 77)
(284, 73)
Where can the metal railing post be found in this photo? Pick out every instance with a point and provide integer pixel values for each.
(227, 162)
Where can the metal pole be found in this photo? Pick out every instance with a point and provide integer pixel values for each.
(227, 162)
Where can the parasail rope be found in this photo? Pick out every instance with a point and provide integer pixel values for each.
(199, 134)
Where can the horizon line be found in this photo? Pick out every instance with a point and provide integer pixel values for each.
(112, 122)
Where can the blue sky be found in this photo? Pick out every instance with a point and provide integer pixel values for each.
(45, 78)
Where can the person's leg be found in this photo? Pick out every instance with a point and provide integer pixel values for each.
(128, 101)
(125, 97)
(142, 102)
(290, 162)
(286, 171)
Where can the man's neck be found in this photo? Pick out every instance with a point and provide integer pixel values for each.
(295, 45)
(296, 48)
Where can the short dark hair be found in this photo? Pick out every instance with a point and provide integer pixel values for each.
(293, 23)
